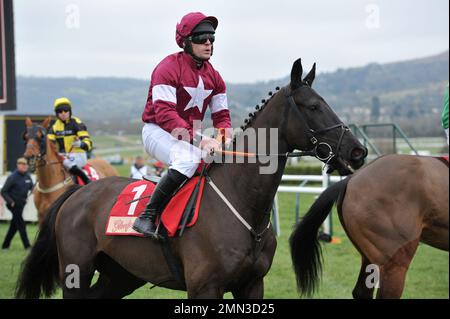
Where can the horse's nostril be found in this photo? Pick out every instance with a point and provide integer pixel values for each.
(358, 153)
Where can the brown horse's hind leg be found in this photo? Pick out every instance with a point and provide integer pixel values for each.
(393, 273)
(361, 291)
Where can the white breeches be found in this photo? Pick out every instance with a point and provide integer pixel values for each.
(74, 159)
(178, 155)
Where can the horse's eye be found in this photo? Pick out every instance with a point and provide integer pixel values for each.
(313, 107)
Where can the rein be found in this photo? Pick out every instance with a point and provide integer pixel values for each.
(329, 153)
(312, 152)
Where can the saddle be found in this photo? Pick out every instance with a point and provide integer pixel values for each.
(90, 172)
(134, 197)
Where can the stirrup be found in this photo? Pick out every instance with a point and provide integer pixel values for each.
(156, 234)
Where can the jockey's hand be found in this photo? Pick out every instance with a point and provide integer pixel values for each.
(76, 144)
(224, 136)
(210, 145)
(228, 142)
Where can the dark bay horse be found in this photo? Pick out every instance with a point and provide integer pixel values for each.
(386, 209)
(53, 179)
(218, 254)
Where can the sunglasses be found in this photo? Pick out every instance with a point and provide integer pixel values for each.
(62, 110)
(202, 38)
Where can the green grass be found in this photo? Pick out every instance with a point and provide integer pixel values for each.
(427, 277)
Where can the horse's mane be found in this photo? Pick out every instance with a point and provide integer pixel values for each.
(258, 108)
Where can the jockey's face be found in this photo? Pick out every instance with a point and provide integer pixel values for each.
(203, 51)
(63, 115)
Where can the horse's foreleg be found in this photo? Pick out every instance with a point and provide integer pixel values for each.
(393, 273)
(361, 290)
(253, 290)
(206, 292)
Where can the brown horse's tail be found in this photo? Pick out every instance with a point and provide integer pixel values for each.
(306, 251)
(40, 271)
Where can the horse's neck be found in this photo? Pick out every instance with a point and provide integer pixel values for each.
(251, 187)
(51, 172)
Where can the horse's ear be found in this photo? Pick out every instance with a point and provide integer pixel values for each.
(28, 122)
(46, 122)
(309, 79)
(296, 74)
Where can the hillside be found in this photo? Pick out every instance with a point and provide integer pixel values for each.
(406, 92)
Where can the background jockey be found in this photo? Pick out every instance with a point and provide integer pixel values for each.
(71, 137)
(183, 86)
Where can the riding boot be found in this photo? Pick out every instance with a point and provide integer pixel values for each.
(75, 170)
(146, 222)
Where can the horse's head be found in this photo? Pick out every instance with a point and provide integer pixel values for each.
(312, 125)
(35, 138)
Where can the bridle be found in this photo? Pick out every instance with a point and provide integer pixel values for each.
(40, 157)
(39, 160)
(31, 134)
(313, 137)
(312, 134)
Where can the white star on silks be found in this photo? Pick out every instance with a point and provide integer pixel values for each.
(198, 95)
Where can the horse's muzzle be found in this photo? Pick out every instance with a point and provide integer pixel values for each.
(358, 153)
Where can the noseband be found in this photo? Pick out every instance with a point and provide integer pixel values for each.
(311, 133)
(32, 135)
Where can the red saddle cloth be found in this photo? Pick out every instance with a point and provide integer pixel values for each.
(90, 172)
(123, 213)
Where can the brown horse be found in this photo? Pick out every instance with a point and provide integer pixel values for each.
(218, 254)
(53, 179)
(386, 209)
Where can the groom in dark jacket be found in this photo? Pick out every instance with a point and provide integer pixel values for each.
(15, 192)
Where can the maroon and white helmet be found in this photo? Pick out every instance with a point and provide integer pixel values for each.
(189, 22)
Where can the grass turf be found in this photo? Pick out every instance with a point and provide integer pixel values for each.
(427, 277)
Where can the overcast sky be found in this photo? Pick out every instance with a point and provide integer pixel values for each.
(256, 40)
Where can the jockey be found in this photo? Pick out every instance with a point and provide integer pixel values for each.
(182, 87)
(71, 137)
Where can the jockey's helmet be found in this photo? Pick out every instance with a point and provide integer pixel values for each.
(192, 23)
(63, 103)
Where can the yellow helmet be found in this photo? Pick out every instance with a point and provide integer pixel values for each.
(62, 101)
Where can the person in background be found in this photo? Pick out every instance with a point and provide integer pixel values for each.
(15, 192)
(139, 169)
(159, 168)
(444, 118)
